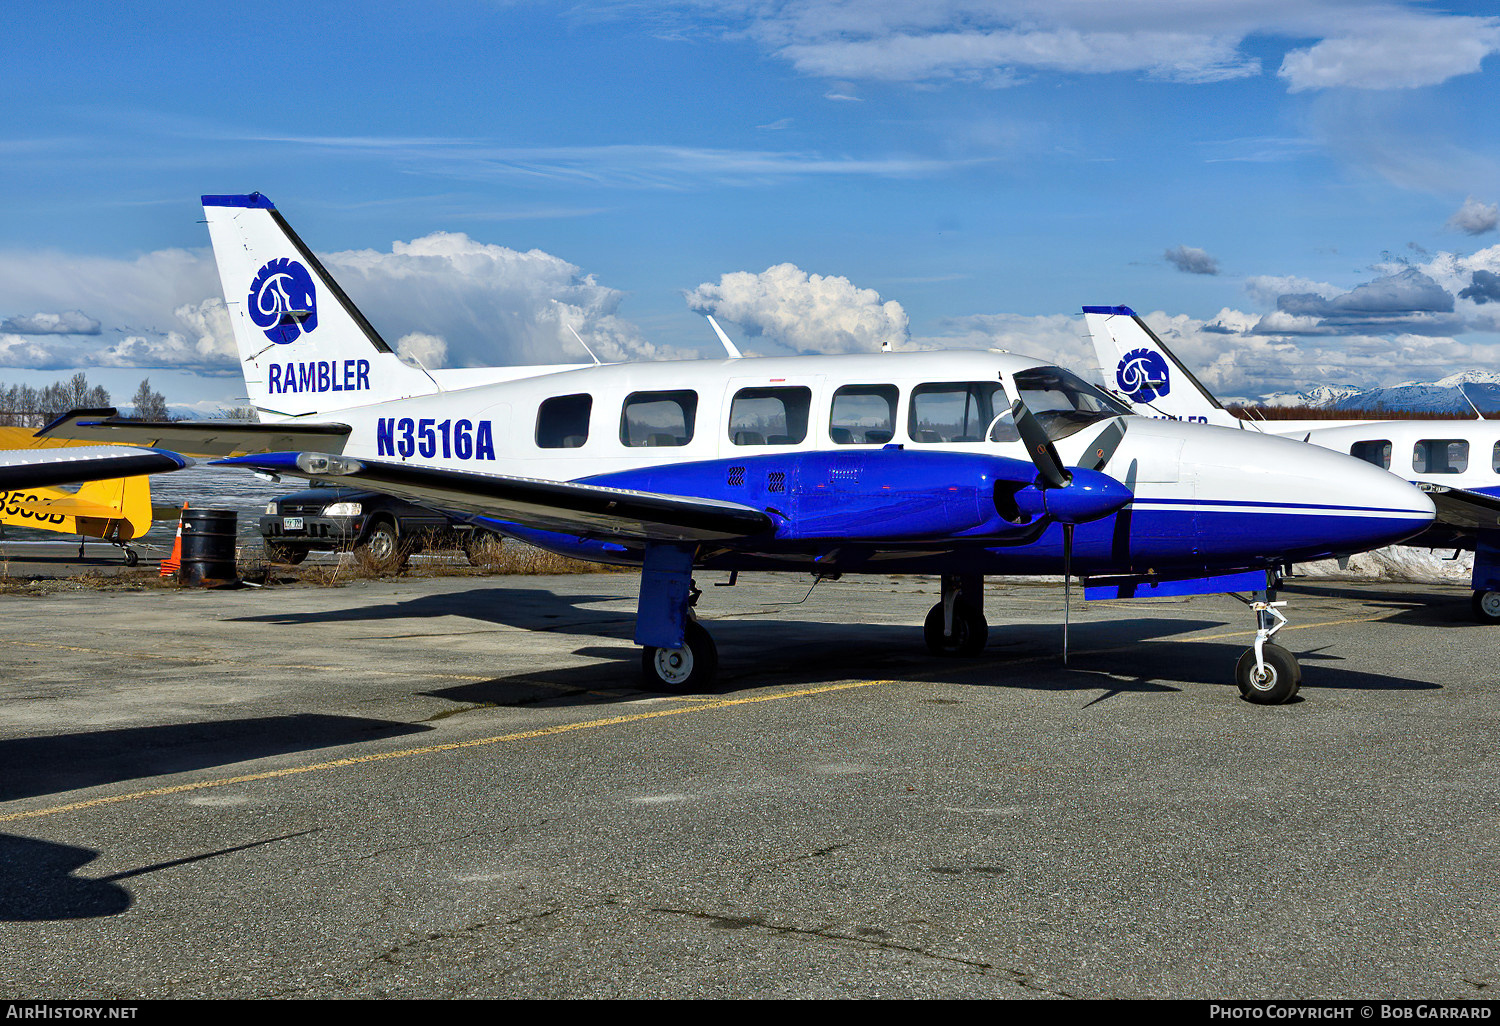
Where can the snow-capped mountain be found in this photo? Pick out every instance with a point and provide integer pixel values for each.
(1446, 395)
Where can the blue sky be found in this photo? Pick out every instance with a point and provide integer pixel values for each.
(1297, 193)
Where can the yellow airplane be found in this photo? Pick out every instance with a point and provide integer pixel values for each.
(116, 509)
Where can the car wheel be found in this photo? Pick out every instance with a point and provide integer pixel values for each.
(383, 547)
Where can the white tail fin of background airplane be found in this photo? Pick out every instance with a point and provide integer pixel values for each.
(1137, 364)
(304, 346)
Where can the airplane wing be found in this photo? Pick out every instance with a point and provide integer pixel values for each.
(39, 468)
(218, 438)
(566, 506)
(1460, 507)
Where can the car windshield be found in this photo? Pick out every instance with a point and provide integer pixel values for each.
(1063, 402)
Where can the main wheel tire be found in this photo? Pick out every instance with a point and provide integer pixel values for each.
(383, 547)
(1486, 605)
(970, 631)
(682, 670)
(1277, 684)
(284, 554)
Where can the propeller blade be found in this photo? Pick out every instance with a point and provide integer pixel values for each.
(1105, 445)
(1039, 447)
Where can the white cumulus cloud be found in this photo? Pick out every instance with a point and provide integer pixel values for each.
(808, 313)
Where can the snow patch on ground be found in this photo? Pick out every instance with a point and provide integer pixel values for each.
(1398, 563)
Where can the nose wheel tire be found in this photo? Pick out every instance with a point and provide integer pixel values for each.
(682, 670)
(1276, 683)
(970, 631)
(1487, 606)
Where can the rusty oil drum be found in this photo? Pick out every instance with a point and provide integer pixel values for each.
(208, 547)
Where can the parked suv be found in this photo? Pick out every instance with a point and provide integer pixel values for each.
(340, 519)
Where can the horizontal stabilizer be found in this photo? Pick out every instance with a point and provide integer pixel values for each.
(210, 438)
(41, 468)
(563, 506)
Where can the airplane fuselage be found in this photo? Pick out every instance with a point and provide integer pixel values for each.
(771, 432)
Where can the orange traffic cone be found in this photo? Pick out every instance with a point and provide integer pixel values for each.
(173, 565)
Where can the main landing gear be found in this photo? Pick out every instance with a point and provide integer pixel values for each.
(1267, 674)
(677, 654)
(1487, 606)
(682, 670)
(956, 625)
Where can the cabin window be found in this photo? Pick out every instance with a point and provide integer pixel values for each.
(653, 419)
(562, 422)
(769, 416)
(863, 415)
(1377, 451)
(1495, 459)
(960, 411)
(1440, 456)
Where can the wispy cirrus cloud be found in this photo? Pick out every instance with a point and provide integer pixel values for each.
(625, 165)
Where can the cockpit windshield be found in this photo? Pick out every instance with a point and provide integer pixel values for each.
(1063, 402)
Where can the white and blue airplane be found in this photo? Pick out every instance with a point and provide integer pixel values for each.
(956, 464)
(1457, 462)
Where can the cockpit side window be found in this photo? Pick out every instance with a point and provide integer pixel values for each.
(960, 411)
(1063, 402)
(863, 415)
(1376, 451)
(658, 418)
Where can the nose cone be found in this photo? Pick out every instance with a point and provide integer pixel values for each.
(1297, 499)
(1090, 496)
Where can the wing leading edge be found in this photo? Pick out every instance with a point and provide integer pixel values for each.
(564, 506)
(215, 438)
(41, 468)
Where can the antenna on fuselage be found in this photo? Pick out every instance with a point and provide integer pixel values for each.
(1463, 390)
(729, 347)
(585, 345)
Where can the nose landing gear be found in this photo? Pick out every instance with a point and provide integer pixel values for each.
(1267, 674)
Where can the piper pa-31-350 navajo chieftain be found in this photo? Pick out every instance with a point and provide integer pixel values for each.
(1457, 462)
(957, 464)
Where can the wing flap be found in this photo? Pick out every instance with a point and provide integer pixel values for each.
(213, 438)
(565, 506)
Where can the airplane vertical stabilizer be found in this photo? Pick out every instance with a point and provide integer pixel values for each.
(304, 346)
(1139, 365)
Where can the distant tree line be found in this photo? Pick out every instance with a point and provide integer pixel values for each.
(1329, 413)
(32, 407)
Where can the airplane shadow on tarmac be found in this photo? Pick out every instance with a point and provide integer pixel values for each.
(1113, 654)
(32, 766)
(1440, 607)
(37, 880)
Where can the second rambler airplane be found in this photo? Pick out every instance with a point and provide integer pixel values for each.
(1457, 462)
(957, 464)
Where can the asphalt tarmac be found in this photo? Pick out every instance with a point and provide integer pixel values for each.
(454, 787)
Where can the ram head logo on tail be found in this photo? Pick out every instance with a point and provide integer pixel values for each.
(283, 302)
(1142, 375)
